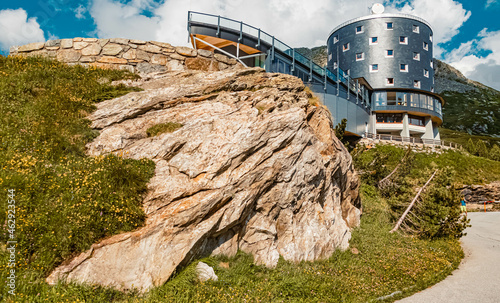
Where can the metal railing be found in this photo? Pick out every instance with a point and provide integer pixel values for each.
(275, 44)
(413, 140)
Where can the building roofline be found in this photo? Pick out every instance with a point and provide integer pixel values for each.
(376, 16)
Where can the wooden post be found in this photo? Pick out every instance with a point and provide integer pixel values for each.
(411, 204)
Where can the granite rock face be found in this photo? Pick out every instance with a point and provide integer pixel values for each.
(482, 193)
(254, 167)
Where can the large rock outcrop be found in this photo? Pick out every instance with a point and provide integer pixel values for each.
(254, 167)
(482, 193)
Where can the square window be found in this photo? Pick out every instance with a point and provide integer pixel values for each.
(359, 29)
(416, 84)
(403, 40)
(373, 68)
(416, 56)
(403, 67)
(335, 39)
(389, 53)
(373, 40)
(426, 73)
(432, 64)
(348, 72)
(426, 46)
(389, 81)
(430, 37)
(360, 56)
(416, 29)
(335, 65)
(346, 47)
(389, 25)
(432, 89)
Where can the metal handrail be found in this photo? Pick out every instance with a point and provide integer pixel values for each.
(413, 140)
(297, 56)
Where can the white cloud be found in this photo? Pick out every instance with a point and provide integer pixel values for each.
(80, 12)
(296, 22)
(490, 3)
(117, 20)
(483, 68)
(17, 29)
(445, 16)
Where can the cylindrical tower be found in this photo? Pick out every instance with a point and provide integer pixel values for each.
(393, 53)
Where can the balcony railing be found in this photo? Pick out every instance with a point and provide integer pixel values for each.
(275, 44)
(413, 140)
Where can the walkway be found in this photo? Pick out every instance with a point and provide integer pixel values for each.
(478, 277)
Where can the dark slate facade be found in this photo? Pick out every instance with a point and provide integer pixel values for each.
(388, 29)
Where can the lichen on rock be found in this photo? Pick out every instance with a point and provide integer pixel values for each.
(254, 167)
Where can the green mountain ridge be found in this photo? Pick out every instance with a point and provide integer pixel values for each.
(470, 106)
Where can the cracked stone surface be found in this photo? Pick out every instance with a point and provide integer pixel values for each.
(255, 167)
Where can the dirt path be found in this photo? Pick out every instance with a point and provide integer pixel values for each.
(478, 277)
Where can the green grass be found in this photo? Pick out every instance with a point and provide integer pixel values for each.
(463, 138)
(473, 112)
(161, 128)
(65, 201)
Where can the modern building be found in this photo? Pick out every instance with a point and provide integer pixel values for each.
(393, 53)
(379, 73)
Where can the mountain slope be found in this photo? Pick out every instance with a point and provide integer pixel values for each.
(469, 105)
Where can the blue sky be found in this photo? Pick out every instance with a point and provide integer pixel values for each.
(467, 32)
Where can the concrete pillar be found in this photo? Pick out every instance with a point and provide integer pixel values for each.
(373, 123)
(406, 128)
(429, 130)
(436, 132)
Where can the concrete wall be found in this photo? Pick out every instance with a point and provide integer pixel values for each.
(133, 55)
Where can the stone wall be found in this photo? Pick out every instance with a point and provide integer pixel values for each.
(133, 55)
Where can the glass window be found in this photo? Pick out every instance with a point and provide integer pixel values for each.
(360, 56)
(414, 100)
(389, 81)
(380, 98)
(401, 99)
(423, 101)
(389, 118)
(416, 83)
(403, 67)
(426, 46)
(335, 39)
(374, 68)
(430, 104)
(389, 25)
(346, 47)
(403, 40)
(359, 29)
(416, 29)
(389, 53)
(416, 120)
(391, 98)
(430, 37)
(373, 40)
(426, 73)
(335, 65)
(416, 56)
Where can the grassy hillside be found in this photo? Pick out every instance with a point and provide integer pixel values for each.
(60, 201)
(65, 201)
(474, 112)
